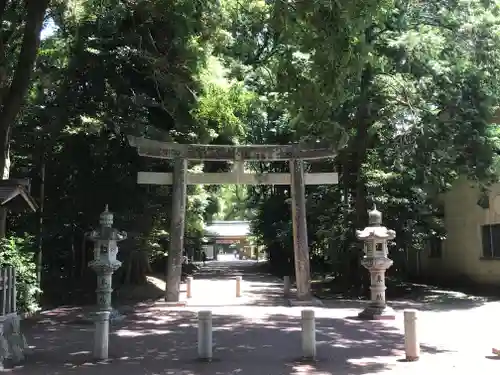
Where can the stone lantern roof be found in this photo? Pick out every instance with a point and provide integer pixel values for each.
(375, 230)
(106, 232)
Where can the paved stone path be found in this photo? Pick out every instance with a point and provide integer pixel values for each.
(258, 334)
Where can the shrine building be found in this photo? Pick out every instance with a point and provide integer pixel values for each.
(226, 237)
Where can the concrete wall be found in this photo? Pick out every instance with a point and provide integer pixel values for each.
(462, 249)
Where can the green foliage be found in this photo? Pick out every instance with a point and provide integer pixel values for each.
(413, 85)
(17, 252)
(222, 109)
(234, 204)
(410, 88)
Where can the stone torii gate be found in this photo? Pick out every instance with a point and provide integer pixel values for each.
(295, 154)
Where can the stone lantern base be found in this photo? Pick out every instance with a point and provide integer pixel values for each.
(373, 312)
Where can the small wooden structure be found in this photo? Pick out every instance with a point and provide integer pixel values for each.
(15, 195)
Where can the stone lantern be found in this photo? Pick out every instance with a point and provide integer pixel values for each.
(104, 264)
(375, 238)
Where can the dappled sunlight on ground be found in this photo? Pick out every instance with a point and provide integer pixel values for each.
(404, 295)
(255, 334)
(252, 339)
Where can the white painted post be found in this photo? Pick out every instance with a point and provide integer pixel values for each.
(189, 284)
(205, 335)
(101, 335)
(238, 286)
(412, 345)
(308, 334)
(287, 285)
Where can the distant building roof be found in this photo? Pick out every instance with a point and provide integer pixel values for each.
(228, 229)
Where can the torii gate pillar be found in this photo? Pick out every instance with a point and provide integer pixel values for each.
(299, 222)
(177, 224)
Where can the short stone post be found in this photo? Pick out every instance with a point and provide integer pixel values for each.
(104, 264)
(412, 345)
(101, 335)
(308, 335)
(287, 286)
(205, 335)
(189, 285)
(238, 286)
(376, 261)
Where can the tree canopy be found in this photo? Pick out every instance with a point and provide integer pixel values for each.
(408, 88)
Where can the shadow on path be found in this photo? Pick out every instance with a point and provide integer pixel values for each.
(451, 305)
(260, 336)
(164, 342)
(258, 287)
(420, 297)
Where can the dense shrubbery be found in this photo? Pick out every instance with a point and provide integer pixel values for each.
(410, 80)
(18, 253)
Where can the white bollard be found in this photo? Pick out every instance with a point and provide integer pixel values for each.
(308, 335)
(238, 286)
(101, 335)
(412, 346)
(189, 285)
(287, 285)
(205, 335)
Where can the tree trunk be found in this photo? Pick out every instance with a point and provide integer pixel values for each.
(128, 269)
(355, 179)
(39, 239)
(14, 95)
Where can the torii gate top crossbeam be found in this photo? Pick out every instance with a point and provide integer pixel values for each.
(164, 150)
